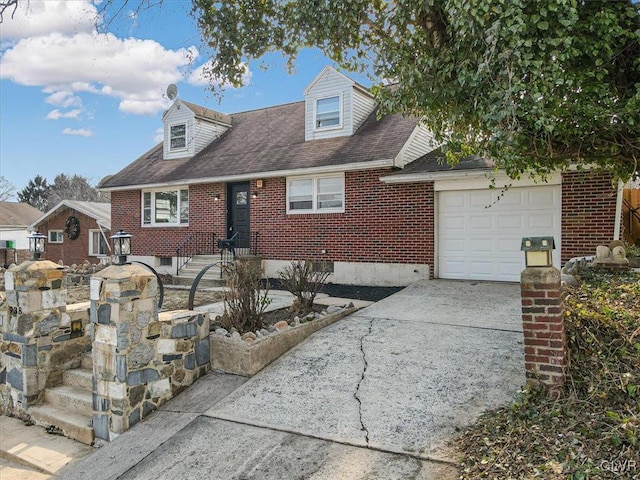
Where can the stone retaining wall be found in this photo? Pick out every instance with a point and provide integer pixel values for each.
(37, 343)
(241, 357)
(140, 359)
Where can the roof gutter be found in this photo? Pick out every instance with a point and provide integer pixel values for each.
(385, 163)
(432, 176)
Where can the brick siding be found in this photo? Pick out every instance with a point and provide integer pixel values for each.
(382, 223)
(588, 213)
(69, 251)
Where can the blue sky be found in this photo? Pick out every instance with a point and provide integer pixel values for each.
(76, 101)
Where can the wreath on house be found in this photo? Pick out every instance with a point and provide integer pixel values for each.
(72, 227)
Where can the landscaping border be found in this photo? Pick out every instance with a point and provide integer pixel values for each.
(238, 357)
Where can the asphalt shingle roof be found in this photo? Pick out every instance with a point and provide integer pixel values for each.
(270, 140)
(16, 214)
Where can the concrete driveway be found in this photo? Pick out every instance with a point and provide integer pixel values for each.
(398, 378)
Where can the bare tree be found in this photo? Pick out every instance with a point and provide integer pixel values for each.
(6, 189)
(6, 5)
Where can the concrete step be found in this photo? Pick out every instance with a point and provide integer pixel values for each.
(69, 398)
(74, 425)
(204, 282)
(78, 377)
(87, 361)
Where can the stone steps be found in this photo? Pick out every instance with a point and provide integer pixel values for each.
(69, 407)
(73, 425)
(79, 377)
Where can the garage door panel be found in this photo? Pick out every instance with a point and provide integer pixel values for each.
(513, 221)
(475, 242)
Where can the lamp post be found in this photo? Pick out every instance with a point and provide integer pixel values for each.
(538, 251)
(121, 246)
(36, 245)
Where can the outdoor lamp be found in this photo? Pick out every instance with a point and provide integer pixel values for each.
(121, 246)
(537, 251)
(36, 244)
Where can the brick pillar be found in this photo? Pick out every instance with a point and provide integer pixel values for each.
(35, 331)
(542, 320)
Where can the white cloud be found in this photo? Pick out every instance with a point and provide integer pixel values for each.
(132, 70)
(201, 77)
(42, 17)
(158, 135)
(57, 114)
(83, 132)
(64, 99)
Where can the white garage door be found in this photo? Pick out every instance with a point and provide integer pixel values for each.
(479, 238)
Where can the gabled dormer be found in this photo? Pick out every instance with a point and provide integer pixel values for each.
(188, 128)
(335, 106)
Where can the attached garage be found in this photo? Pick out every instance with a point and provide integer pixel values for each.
(480, 230)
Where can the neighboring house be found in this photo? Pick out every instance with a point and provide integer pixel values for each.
(76, 231)
(15, 218)
(327, 179)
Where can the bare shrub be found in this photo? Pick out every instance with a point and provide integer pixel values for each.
(305, 281)
(244, 301)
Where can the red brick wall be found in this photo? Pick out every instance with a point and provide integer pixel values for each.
(588, 213)
(382, 223)
(205, 215)
(69, 251)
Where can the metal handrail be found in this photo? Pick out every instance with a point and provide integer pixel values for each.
(196, 243)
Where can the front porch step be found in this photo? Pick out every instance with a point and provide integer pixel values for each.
(79, 377)
(87, 361)
(204, 282)
(73, 425)
(66, 397)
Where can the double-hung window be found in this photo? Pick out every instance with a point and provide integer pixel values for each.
(178, 137)
(328, 112)
(97, 243)
(165, 207)
(317, 194)
(56, 236)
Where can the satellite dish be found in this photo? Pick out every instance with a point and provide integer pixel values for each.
(172, 91)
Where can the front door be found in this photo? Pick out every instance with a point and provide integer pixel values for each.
(238, 213)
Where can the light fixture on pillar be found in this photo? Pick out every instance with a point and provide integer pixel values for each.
(36, 245)
(538, 251)
(121, 246)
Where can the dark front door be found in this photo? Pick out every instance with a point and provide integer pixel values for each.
(238, 213)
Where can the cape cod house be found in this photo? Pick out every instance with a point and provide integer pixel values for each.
(326, 179)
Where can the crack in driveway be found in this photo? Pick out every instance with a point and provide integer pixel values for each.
(356, 394)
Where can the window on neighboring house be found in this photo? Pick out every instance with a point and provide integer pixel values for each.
(56, 236)
(165, 207)
(316, 194)
(97, 243)
(178, 137)
(328, 112)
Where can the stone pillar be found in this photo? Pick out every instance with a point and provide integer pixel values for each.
(542, 320)
(140, 360)
(35, 329)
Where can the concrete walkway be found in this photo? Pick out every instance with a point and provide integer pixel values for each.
(374, 396)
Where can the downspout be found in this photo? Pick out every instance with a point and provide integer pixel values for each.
(618, 223)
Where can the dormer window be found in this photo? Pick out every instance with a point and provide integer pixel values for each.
(178, 136)
(328, 112)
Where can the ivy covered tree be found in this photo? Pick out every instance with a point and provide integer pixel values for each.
(537, 86)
